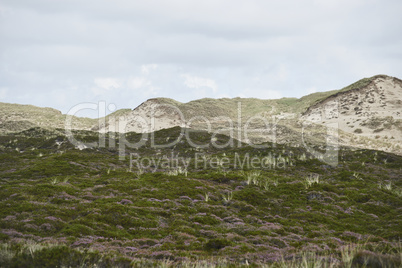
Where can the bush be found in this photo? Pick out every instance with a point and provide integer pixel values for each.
(370, 259)
(217, 244)
(58, 256)
(4, 237)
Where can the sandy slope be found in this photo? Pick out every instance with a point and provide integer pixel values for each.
(374, 111)
(367, 114)
(148, 117)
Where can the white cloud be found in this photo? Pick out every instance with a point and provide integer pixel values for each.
(196, 82)
(143, 86)
(146, 69)
(107, 83)
(138, 83)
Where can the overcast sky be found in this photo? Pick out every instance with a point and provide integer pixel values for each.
(61, 53)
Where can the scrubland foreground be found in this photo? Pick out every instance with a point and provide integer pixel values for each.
(196, 207)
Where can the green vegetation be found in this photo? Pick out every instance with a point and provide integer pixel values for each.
(65, 207)
(17, 117)
(252, 106)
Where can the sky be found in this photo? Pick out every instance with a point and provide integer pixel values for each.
(62, 53)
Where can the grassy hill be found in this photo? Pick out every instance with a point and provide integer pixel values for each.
(17, 117)
(199, 206)
(251, 106)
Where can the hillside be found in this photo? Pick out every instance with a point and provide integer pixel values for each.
(192, 205)
(368, 115)
(17, 117)
(365, 114)
(373, 110)
(208, 183)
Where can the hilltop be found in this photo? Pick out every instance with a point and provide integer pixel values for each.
(366, 114)
(18, 117)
